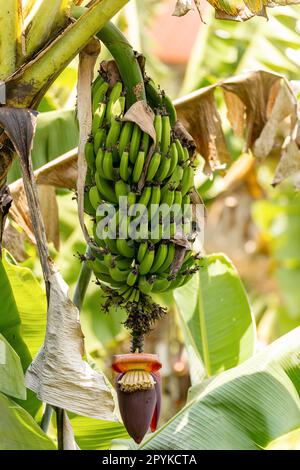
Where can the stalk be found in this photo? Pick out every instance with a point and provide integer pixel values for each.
(10, 35)
(124, 56)
(27, 87)
(50, 17)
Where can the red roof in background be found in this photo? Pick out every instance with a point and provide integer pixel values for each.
(174, 37)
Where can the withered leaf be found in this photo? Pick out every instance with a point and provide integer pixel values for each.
(182, 7)
(199, 115)
(248, 98)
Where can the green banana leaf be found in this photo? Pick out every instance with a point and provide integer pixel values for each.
(18, 430)
(11, 372)
(246, 407)
(56, 134)
(94, 434)
(216, 318)
(10, 322)
(31, 303)
(11, 329)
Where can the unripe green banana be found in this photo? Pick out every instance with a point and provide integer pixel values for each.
(98, 118)
(99, 96)
(99, 139)
(158, 128)
(143, 247)
(125, 137)
(105, 189)
(160, 257)
(181, 155)
(174, 159)
(138, 167)
(160, 285)
(96, 84)
(168, 260)
(186, 157)
(135, 143)
(89, 154)
(145, 284)
(107, 166)
(187, 180)
(166, 135)
(118, 108)
(176, 177)
(145, 196)
(99, 161)
(145, 144)
(170, 108)
(121, 188)
(132, 277)
(118, 275)
(123, 263)
(147, 261)
(125, 248)
(114, 132)
(124, 166)
(153, 166)
(88, 208)
(113, 97)
(164, 168)
(94, 196)
(167, 195)
(131, 198)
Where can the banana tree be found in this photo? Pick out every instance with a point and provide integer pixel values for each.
(39, 47)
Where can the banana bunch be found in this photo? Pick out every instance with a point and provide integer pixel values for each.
(116, 155)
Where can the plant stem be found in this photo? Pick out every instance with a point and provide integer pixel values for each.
(46, 419)
(60, 428)
(125, 57)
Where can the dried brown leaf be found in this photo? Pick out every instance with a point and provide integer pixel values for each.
(249, 98)
(182, 7)
(199, 115)
(289, 164)
(5, 204)
(13, 242)
(58, 375)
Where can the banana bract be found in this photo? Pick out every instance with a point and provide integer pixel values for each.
(136, 228)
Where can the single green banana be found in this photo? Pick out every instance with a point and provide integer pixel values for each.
(99, 161)
(121, 189)
(99, 96)
(170, 108)
(167, 195)
(180, 151)
(88, 208)
(131, 198)
(145, 284)
(135, 143)
(99, 139)
(187, 180)
(132, 277)
(143, 247)
(105, 189)
(138, 167)
(160, 257)
(118, 108)
(94, 196)
(122, 263)
(125, 248)
(107, 165)
(89, 154)
(174, 159)
(118, 275)
(114, 132)
(165, 135)
(147, 261)
(145, 196)
(145, 144)
(125, 137)
(153, 166)
(96, 84)
(160, 285)
(113, 97)
(98, 118)
(168, 260)
(158, 128)
(124, 166)
(164, 168)
(176, 178)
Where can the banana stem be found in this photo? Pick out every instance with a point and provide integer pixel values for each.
(124, 56)
(10, 36)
